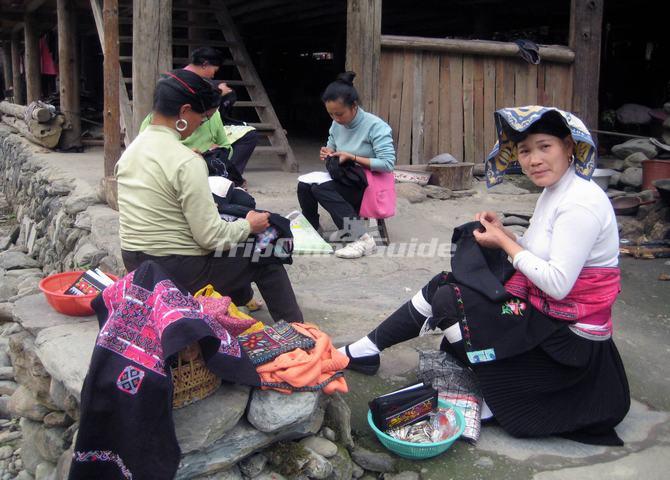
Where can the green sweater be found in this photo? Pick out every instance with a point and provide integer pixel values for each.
(205, 136)
(366, 135)
(165, 204)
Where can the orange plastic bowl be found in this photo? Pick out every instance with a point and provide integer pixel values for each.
(53, 287)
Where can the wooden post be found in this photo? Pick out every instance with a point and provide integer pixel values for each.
(32, 60)
(152, 52)
(7, 65)
(364, 28)
(586, 20)
(112, 113)
(68, 75)
(125, 110)
(17, 85)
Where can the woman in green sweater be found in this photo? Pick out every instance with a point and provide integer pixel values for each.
(359, 139)
(167, 213)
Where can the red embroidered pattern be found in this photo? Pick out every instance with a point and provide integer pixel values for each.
(137, 319)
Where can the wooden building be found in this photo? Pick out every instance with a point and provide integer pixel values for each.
(435, 70)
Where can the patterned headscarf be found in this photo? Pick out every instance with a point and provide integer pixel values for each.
(519, 119)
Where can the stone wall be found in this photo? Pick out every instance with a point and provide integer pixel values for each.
(63, 224)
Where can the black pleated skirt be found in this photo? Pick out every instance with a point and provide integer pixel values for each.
(567, 385)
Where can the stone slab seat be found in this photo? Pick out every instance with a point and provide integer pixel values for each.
(35, 314)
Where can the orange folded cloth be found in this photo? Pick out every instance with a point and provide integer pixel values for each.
(305, 370)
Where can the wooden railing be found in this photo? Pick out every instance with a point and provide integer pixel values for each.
(439, 95)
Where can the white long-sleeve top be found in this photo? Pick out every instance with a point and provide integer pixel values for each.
(573, 227)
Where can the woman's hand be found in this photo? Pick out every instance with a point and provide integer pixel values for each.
(493, 219)
(224, 88)
(325, 152)
(490, 217)
(258, 221)
(345, 157)
(493, 235)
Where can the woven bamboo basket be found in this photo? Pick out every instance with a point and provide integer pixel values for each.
(191, 379)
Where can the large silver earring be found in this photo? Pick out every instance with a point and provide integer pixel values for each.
(181, 125)
(571, 160)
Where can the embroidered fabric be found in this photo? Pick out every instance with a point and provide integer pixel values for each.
(456, 384)
(272, 341)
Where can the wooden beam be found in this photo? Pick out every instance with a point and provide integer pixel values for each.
(112, 113)
(125, 110)
(17, 83)
(586, 21)
(364, 26)
(7, 65)
(550, 53)
(68, 74)
(32, 61)
(152, 52)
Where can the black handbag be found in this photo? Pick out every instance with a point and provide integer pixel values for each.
(403, 407)
(350, 174)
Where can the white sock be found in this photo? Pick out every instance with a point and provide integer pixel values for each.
(486, 414)
(361, 348)
(365, 237)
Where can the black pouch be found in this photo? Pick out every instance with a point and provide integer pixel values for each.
(350, 174)
(408, 405)
(219, 165)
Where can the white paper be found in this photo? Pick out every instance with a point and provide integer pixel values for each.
(315, 177)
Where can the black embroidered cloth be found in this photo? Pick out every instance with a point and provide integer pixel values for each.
(126, 429)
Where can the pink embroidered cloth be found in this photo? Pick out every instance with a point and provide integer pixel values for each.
(588, 305)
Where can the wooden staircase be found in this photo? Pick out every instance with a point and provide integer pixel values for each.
(198, 23)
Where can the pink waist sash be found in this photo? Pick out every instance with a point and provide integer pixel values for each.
(588, 305)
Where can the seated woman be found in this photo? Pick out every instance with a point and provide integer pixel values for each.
(358, 138)
(206, 61)
(167, 212)
(540, 346)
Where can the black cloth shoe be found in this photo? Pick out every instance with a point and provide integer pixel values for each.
(367, 365)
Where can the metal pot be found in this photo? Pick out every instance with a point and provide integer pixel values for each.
(626, 205)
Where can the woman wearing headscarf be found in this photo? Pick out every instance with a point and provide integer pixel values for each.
(538, 333)
(167, 212)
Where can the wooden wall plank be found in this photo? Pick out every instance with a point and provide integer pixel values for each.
(490, 92)
(531, 84)
(478, 97)
(456, 136)
(468, 109)
(443, 143)
(384, 90)
(403, 155)
(508, 86)
(395, 99)
(417, 112)
(541, 91)
(431, 79)
(520, 84)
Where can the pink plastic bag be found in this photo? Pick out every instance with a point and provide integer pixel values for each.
(379, 197)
